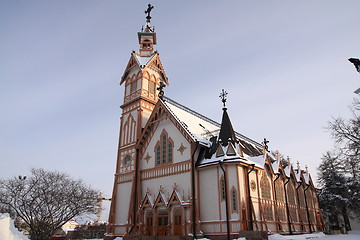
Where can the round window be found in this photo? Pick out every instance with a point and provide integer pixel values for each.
(127, 160)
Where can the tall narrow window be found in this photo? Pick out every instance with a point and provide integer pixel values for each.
(133, 86)
(163, 148)
(170, 147)
(152, 87)
(279, 188)
(158, 155)
(265, 187)
(222, 184)
(233, 200)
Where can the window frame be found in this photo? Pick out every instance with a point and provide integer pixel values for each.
(164, 150)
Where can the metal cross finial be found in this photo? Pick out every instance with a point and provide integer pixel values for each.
(223, 95)
(161, 90)
(148, 17)
(265, 144)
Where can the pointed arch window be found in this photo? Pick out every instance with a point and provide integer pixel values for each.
(164, 149)
(265, 187)
(291, 194)
(129, 131)
(279, 188)
(133, 86)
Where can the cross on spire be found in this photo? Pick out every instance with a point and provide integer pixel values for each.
(148, 10)
(265, 144)
(223, 95)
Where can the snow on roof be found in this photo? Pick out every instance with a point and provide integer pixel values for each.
(165, 198)
(143, 60)
(202, 128)
(287, 171)
(192, 121)
(275, 166)
(151, 199)
(259, 161)
(297, 175)
(306, 177)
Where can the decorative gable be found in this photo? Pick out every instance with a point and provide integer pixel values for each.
(147, 202)
(231, 150)
(220, 151)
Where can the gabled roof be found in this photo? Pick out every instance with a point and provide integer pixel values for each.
(203, 128)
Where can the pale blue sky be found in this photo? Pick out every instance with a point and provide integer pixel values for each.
(284, 64)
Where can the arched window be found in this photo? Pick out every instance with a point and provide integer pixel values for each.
(291, 195)
(279, 188)
(265, 187)
(164, 149)
(266, 195)
(133, 86)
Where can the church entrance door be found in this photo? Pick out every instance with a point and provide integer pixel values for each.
(177, 222)
(149, 223)
(162, 222)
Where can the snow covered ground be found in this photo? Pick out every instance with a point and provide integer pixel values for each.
(353, 235)
(9, 232)
(7, 229)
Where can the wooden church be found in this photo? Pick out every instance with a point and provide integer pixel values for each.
(181, 173)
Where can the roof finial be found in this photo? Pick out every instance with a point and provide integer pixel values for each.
(288, 161)
(277, 155)
(265, 144)
(148, 10)
(161, 90)
(223, 95)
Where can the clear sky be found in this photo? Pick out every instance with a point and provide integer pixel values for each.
(283, 63)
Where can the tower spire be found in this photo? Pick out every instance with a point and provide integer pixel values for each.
(227, 132)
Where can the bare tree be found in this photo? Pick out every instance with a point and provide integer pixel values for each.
(47, 200)
(339, 172)
(346, 134)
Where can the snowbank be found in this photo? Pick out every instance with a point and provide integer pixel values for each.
(7, 229)
(353, 235)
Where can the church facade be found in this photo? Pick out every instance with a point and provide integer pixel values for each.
(181, 173)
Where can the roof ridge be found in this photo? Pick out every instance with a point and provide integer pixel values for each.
(207, 119)
(192, 112)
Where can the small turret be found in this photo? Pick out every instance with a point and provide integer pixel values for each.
(227, 133)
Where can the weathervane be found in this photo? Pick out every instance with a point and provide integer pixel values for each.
(148, 17)
(223, 95)
(265, 144)
(161, 90)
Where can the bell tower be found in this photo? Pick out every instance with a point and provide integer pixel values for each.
(142, 77)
